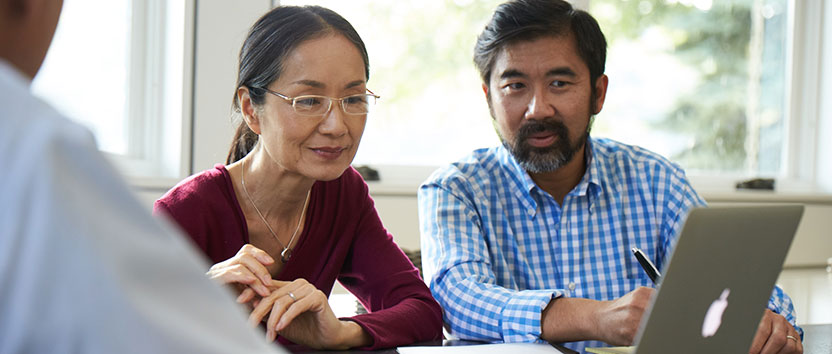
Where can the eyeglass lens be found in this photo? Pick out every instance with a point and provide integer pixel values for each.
(314, 105)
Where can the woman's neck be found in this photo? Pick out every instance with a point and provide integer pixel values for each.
(277, 192)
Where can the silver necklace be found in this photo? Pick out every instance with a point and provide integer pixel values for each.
(286, 254)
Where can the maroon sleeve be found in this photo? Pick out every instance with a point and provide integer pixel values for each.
(402, 310)
(170, 208)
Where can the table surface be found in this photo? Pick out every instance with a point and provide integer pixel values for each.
(817, 339)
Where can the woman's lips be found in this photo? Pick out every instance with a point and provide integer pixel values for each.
(328, 152)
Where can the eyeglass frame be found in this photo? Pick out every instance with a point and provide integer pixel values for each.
(293, 100)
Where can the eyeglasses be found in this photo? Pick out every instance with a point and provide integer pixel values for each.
(316, 105)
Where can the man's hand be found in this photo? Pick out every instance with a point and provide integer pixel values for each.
(775, 335)
(619, 319)
(615, 322)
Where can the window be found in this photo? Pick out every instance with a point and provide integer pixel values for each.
(705, 83)
(701, 82)
(117, 67)
(85, 72)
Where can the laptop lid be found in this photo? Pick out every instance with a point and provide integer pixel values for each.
(719, 279)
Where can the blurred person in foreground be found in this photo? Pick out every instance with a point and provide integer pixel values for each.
(531, 240)
(84, 268)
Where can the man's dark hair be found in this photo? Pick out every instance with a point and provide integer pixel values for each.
(267, 45)
(526, 20)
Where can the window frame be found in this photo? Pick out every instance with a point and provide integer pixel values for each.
(159, 109)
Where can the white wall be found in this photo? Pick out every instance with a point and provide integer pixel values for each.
(221, 27)
(824, 168)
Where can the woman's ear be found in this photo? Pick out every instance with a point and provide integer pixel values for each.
(247, 109)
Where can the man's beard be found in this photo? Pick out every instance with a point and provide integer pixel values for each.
(545, 159)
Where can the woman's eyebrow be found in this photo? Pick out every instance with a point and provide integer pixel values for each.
(355, 83)
(312, 83)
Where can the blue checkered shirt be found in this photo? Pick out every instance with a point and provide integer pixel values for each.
(497, 249)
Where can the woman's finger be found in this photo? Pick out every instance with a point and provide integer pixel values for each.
(279, 308)
(245, 296)
(261, 256)
(239, 273)
(257, 268)
(267, 304)
(277, 284)
(308, 299)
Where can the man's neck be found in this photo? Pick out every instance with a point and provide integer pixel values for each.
(559, 182)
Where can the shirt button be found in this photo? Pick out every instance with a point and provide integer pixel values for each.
(572, 286)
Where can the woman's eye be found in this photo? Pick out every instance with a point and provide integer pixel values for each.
(357, 99)
(308, 101)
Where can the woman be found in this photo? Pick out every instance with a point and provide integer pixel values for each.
(288, 216)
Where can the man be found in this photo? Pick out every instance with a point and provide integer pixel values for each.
(83, 267)
(531, 240)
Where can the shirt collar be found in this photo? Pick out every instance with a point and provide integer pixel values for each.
(9, 71)
(522, 184)
(525, 188)
(590, 183)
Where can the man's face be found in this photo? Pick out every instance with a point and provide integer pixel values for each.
(540, 95)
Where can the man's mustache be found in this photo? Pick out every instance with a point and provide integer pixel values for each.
(539, 126)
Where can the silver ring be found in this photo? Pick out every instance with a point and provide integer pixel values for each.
(792, 338)
(296, 299)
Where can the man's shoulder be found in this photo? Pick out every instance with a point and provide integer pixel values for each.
(617, 156)
(34, 136)
(478, 167)
(31, 124)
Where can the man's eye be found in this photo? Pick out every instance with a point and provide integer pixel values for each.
(515, 86)
(558, 83)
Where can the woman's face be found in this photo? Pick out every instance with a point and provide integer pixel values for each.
(319, 147)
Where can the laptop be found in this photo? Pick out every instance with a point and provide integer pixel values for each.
(713, 291)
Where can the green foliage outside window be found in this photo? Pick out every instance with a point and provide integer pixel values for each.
(740, 60)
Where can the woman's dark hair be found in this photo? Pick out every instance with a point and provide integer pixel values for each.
(525, 20)
(269, 42)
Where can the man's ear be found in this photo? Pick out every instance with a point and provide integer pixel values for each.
(600, 93)
(247, 109)
(487, 97)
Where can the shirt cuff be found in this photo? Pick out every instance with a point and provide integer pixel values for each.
(521, 317)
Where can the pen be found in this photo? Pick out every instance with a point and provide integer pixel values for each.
(648, 266)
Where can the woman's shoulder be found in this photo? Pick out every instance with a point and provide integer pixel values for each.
(208, 187)
(349, 184)
(346, 194)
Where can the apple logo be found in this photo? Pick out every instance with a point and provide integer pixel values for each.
(713, 318)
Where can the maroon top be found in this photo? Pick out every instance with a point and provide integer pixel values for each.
(342, 239)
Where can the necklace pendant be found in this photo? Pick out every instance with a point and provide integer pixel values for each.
(286, 255)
